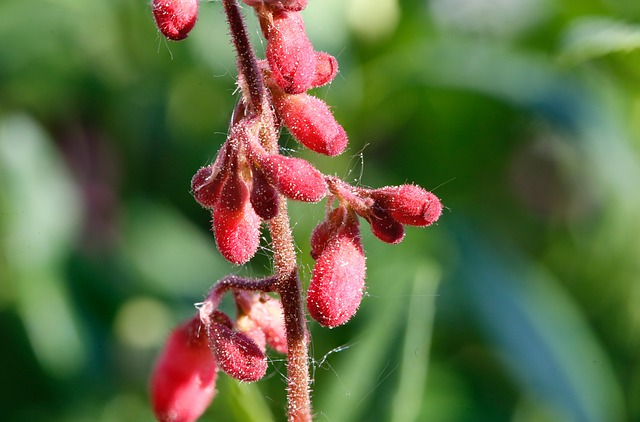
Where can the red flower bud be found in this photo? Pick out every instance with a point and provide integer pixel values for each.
(175, 18)
(337, 282)
(290, 54)
(295, 178)
(264, 197)
(184, 377)
(237, 354)
(384, 227)
(235, 224)
(409, 204)
(326, 69)
(325, 230)
(205, 188)
(311, 122)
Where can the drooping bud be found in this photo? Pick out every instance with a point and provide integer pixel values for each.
(337, 282)
(294, 177)
(175, 18)
(289, 52)
(235, 223)
(325, 230)
(184, 377)
(205, 187)
(326, 69)
(384, 226)
(237, 354)
(311, 122)
(409, 204)
(264, 197)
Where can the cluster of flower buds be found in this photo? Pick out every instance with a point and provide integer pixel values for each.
(242, 186)
(337, 280)
(184, 377)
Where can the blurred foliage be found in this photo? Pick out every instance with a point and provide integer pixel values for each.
(522, 304)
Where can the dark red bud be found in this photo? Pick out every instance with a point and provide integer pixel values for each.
(235, 224)
(311, 122)
(184, 377)
(409, 204)
(326, 69)
(237, 354)
(337, 282)
(290, 54)
(384, 227)
(295, 178)
(175, 18)
(205, 187)
(264, 197)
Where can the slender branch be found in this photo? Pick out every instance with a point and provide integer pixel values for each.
(290, 291)
(247, 62)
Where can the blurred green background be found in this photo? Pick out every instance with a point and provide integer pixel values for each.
(522, 304)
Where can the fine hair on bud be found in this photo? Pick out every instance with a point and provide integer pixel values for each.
(235, 223)
(184, 377)
(409, 204)
(311, 122)
(325, 230)
(175, 18)
(326, 69)
(289, 52)
(337, 280)
(237, 354)
(264, 197)
(384, 226)
(295, 178)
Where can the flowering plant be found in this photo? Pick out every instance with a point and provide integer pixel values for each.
(248, 185)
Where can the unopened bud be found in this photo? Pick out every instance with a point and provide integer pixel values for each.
(294, 177)
(384, 226)
(311, 122)
(290, 54)
(184, 377)
(326, 69)
(206, 187)
(325, 230)
(264, 197)
(409, 204)
(175, 18)
(235, 223)
(337, 282)
(237, 354)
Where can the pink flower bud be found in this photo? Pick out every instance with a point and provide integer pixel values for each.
(289, 52)
(325, 230)
(264, 197)
(326, 69)
(337, 282)
(184, 377)
(250, 328)
(409, 204)
(311, 122)
(175, 18)
(205, 188)
(295, 178)
(235, 224)
(237, 354)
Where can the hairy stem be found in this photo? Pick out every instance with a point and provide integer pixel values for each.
(288, 282)
(250, 76)
(290, 291)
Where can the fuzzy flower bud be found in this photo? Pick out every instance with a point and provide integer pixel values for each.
(295, 178)
(265, 313)
(290, 54)
(264, 197)
(384, 226)
(175, 18)
(311, 122)
(326, 69)
(337, 282)
(409, 204)
(235, 224)
(184, 377)
(325, 230)
(205, 187)
(237, 354)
